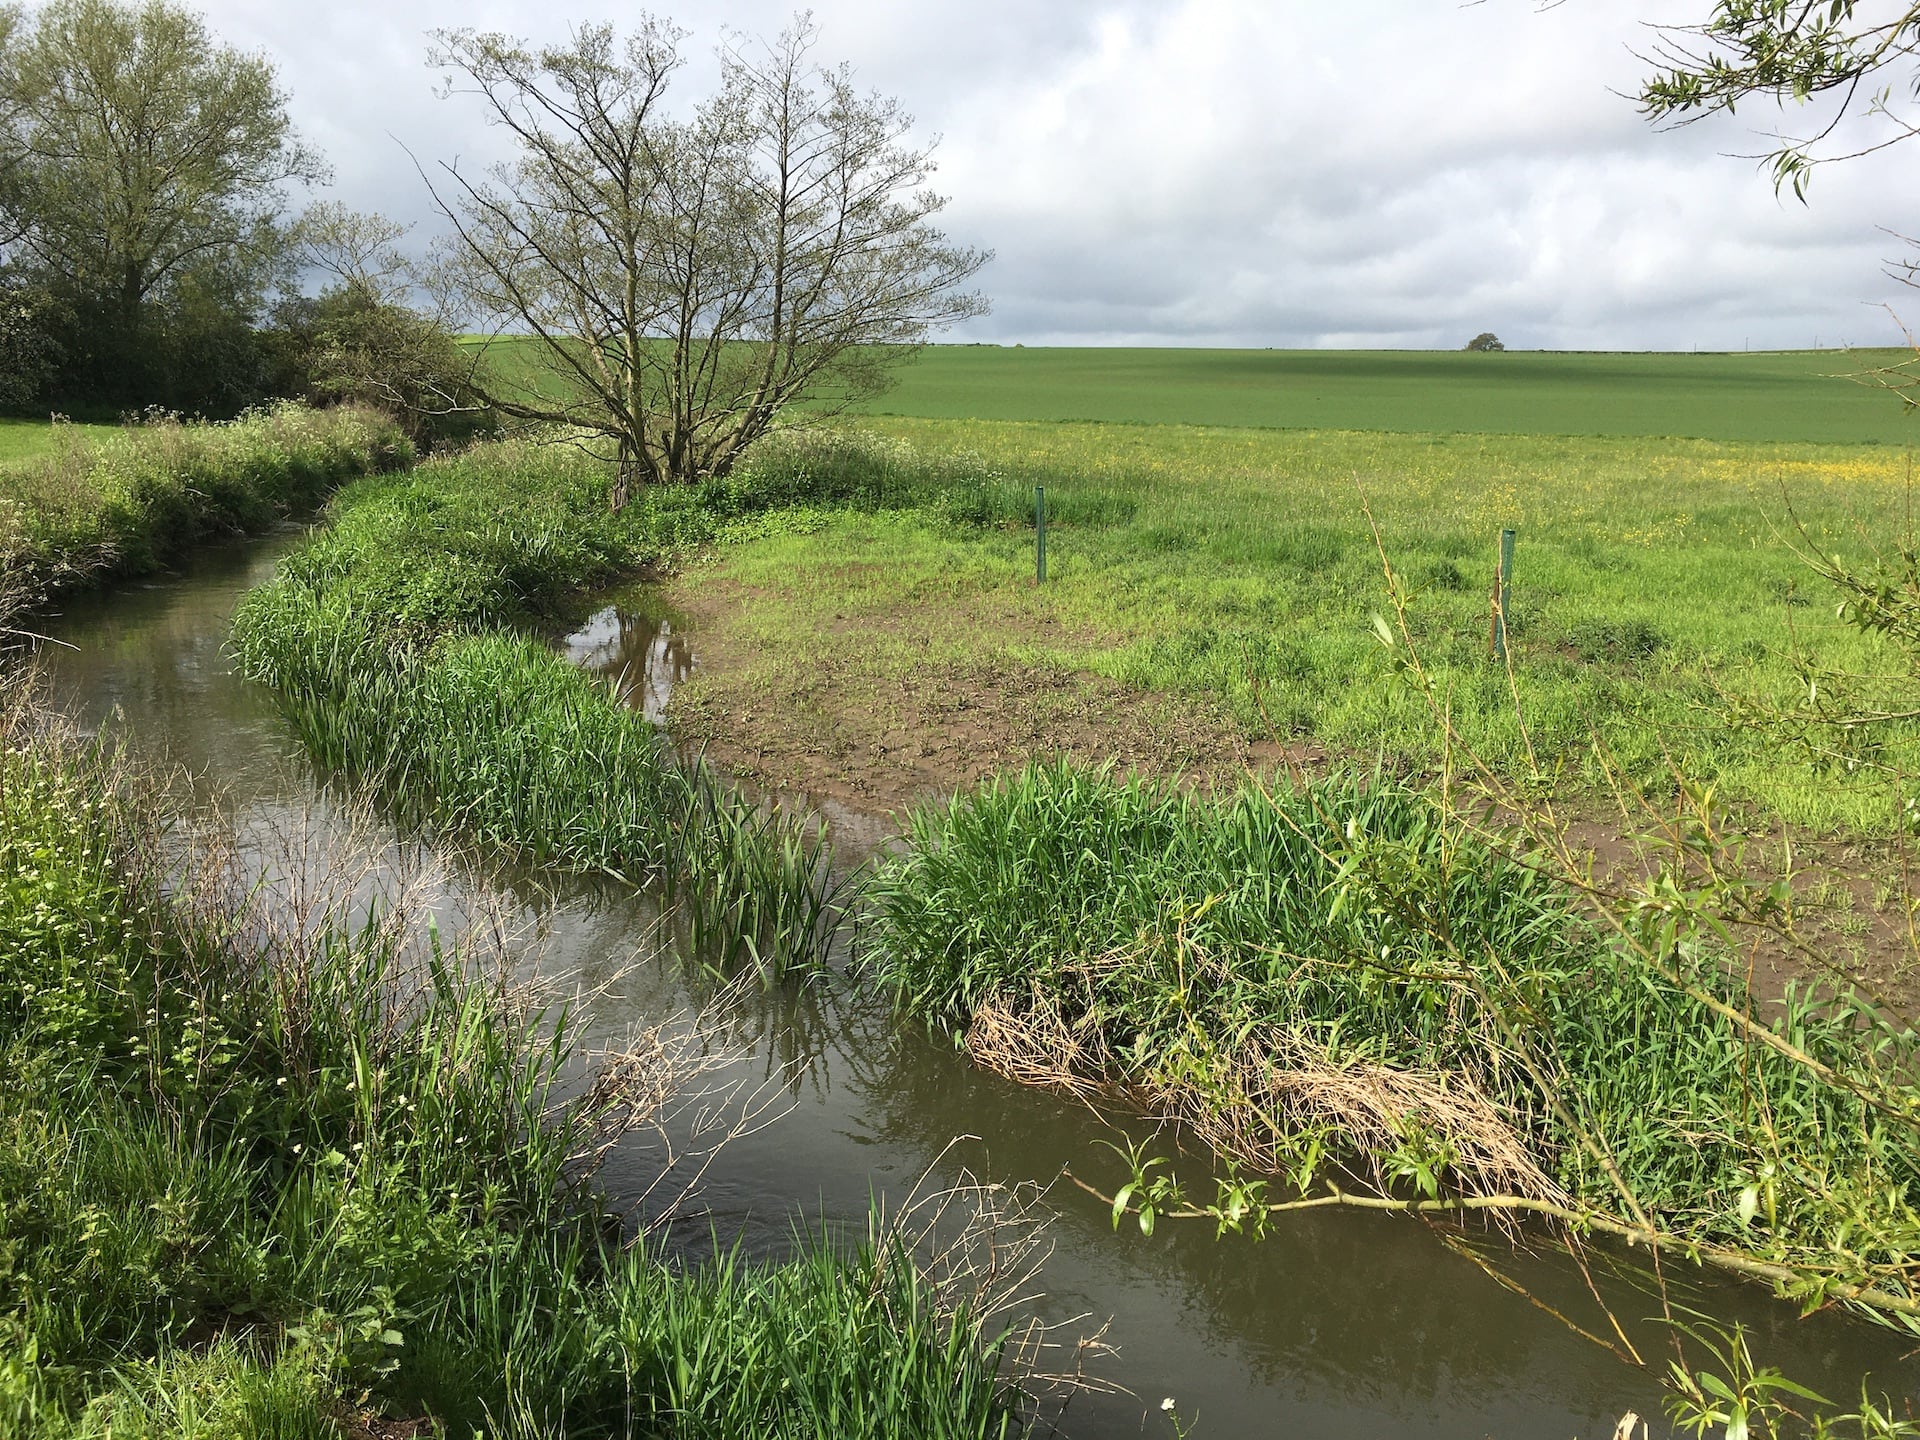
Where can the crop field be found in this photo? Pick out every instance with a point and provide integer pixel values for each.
(1825, 396)
(1818, 395)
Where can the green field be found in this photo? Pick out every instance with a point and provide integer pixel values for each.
(1232, 573)
(1793, 395)
(32, 439)
(1823, 396)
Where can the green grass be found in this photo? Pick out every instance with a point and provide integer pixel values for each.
(91, 507)
(258, 1177)
(1337, 975)
(1782, 396)
(1235, 570)
(32, 439)
(1816, 396)
(395, 641)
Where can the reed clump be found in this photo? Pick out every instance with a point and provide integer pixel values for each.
(276, 1167)
(95, 510)
(1334, 979)
(402, 642)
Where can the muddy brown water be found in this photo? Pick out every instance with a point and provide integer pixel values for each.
(1338, 1325)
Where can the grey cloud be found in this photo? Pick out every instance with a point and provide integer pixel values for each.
(1243, 172)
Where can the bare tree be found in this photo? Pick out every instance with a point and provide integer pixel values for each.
(356, 250)
(669, 284)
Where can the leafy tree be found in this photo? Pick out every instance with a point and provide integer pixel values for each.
(144, 166)
(1485, 340)
(29, 353)
(347, 345)
(672, 283)
(10, 110)
(1855, 58)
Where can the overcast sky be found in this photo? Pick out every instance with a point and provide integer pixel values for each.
(1361, 173)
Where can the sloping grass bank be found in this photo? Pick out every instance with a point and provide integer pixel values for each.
(1335, 981)
(258, 1180)
(401, 644)
(96, 509)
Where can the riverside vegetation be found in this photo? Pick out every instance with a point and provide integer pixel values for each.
(398, 643)
(1312, 977)
(262, 1174)
(1453, 1032)
(87, 504)
(272, 1168)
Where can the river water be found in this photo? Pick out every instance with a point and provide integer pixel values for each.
(1338, 1325)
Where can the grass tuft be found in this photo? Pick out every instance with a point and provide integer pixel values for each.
(1337, 974)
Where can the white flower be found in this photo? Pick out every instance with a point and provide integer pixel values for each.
(1167, 1404)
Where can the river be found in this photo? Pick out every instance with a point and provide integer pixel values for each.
(1338, 1325)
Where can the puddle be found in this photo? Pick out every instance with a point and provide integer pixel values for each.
(638, 644)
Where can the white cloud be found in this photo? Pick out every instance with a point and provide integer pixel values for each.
(1244, 171)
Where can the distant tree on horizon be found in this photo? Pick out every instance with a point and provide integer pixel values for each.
(1485, 340)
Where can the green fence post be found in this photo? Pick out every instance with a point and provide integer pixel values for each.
(1039, 534)
(1502, 595)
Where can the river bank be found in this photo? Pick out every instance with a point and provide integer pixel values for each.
(93, 506)
(281, 1156)
(463, 580)
(1339, 1325)
(434, 699)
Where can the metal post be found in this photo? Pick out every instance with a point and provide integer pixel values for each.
(1502, 595)
(1039, 534)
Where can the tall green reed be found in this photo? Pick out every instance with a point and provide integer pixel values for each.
(396, 644)
(1338, 968)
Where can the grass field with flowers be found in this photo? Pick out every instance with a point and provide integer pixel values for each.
(1236, 570)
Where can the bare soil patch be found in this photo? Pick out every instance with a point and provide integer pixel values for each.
(871, 712)
(881, 711)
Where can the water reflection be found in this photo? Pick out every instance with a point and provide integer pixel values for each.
(641, 647)
(1338, 1325)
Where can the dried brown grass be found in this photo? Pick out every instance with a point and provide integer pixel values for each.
(1250, 1096)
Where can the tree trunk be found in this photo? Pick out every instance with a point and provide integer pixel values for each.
(130, 301)
(623, 482)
